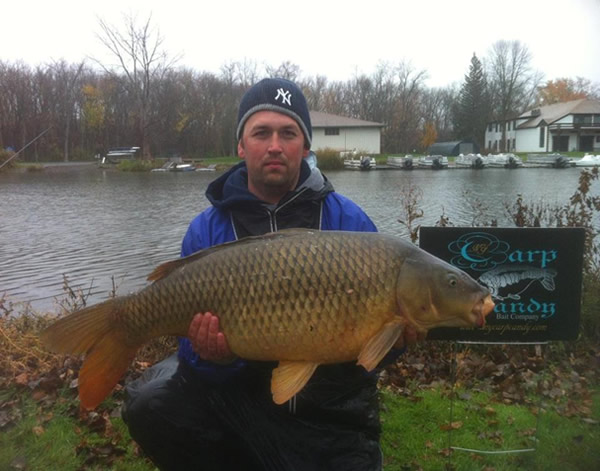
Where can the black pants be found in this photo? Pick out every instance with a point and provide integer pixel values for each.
(183, 425)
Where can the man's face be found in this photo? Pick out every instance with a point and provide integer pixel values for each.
(273, 146)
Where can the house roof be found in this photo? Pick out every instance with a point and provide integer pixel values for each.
(551, 113)
(450, 147)
(326, 120)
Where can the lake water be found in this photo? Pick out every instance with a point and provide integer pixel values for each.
(90, 224)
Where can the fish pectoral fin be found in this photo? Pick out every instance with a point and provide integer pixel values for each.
(381, 343)
(289, 378)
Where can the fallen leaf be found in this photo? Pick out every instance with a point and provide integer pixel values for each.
(451, 426)
(20, 462)
(446, 452)
(22, 379)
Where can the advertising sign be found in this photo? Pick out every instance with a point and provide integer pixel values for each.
(533, 274)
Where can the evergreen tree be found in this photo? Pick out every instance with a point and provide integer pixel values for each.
(473, 108)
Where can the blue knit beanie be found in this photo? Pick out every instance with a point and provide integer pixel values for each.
(275, 94)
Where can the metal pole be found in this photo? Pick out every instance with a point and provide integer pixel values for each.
(26, 146)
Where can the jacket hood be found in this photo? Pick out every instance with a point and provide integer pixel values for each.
(231, 189)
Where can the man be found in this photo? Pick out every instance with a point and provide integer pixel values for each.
(215, 412)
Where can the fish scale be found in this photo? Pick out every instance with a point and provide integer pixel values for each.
(299, 297)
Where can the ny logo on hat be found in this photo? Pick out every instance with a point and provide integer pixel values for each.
(286, 96)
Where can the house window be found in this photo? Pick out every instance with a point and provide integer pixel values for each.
(490, 144)
(509, 126)
(514, 146)
(490, 127)
(542, 136)
(515, 124)
(332, 131)
(496, 127)
(582, 119)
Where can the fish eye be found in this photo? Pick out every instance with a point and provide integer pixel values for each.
(452, 281)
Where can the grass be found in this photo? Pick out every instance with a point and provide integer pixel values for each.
(54, 437)
(415, 435)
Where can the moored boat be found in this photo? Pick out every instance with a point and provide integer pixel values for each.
(503, 161)
(175, 166)
(434, 162)
(549, 160)
(116, 155)
(406, 162)
(588, 160)
(363, 163)
(469, 161)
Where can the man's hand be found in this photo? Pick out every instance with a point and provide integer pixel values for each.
(409, 336)
(207, 340)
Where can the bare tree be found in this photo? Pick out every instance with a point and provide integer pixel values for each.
(18, 105)
(286, 70)
(513, 84)
(403, 133)
(67, 86)
(314, 89)
(142, 64)
(437, 107)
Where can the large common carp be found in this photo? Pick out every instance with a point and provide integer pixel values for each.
(299, 297)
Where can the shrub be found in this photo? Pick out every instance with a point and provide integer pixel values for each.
(137, 165)
(329, 159)
(4, 156)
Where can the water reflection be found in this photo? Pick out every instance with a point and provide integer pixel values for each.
(91, 224)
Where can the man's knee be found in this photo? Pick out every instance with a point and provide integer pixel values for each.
(140, 409)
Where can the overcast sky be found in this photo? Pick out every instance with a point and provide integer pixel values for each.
(334, 38)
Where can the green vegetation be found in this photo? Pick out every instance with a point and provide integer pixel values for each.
(329, 159)
(418, 434)
(53, 435)
(39, 433)
(138, 165)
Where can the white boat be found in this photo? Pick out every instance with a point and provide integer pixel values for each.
(502, 161)
(588, 160)
(173, 166)
(406, 162)
(363, 163)
(469, 161)
(116, 155)
(210, 168)
(434, 162)
(549, 160)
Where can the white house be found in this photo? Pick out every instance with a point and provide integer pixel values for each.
(345, 134)
(562, 127)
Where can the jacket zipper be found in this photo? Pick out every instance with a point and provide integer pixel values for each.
(273, 214)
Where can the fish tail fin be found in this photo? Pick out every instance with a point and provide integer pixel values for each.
(548, 281)
(95, 331)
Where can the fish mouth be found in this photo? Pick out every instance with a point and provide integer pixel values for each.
(482, 309)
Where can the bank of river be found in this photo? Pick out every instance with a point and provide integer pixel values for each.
(91, 224)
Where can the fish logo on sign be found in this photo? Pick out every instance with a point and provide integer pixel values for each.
(286, 96)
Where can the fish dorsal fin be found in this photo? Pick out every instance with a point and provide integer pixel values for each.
(381, 343)
(289, 378)
(167, 268)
